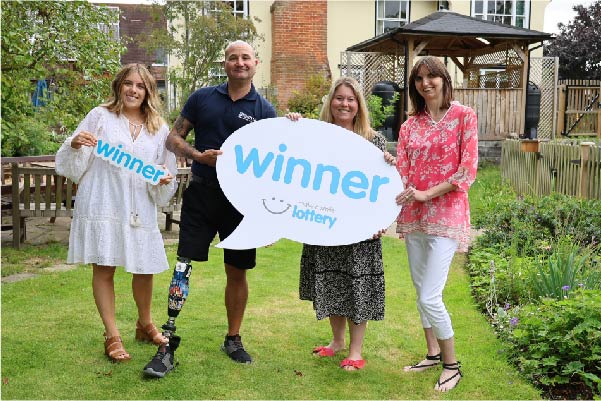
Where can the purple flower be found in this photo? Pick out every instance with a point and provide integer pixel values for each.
(565, 287)
(513, 321)
(507, 306)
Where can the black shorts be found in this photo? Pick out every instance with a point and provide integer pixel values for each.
(206, 212)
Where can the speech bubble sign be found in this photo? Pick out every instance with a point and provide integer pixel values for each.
(308, 181)
(118, 157)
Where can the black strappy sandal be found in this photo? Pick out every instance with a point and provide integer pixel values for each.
(436, 358)
(450, 366)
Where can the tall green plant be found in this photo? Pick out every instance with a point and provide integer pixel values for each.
(563, 271)
(196, 35)
(63, 42)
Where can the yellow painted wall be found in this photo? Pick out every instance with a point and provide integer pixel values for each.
(421, 9)
(349, 22)
(537, 18)
(261, 10)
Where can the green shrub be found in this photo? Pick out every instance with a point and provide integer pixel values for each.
(529, 223)
(378, 113)
(308, 101)
(499, 278)
(559, 341)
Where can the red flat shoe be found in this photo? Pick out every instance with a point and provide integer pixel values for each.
(322, 351)
(355, 363)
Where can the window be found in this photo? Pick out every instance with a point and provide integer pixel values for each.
(509, 12)
(391, 14)
(160, 57)
(112, 29)
(239, 7)
(217, 73)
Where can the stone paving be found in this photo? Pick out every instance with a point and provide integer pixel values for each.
(41, 231)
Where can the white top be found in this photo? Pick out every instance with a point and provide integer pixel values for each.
(108, 196)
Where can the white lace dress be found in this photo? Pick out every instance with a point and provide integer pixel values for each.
(108, 195)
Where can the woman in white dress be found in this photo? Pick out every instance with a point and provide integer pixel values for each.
(115, 214)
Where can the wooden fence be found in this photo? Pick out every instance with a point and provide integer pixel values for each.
(500, 111)
(573, 102)
(568, 167)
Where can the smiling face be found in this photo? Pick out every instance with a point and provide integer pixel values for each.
(428, 85)
(344, 106)
(240, 61)
(133, 91)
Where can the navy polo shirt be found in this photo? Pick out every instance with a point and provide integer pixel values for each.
(215, 117)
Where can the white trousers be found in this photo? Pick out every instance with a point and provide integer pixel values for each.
(429, 261)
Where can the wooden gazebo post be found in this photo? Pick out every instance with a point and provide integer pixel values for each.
(523, 53)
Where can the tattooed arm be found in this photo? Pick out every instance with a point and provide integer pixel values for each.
(176, 142)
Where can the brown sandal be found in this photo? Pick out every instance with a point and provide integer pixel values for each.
(149, 333)
(113, 348)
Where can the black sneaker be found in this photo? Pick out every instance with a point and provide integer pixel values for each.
(233, 347)
(162, 362)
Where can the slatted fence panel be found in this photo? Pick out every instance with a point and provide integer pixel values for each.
(557, 167)
(499, 111)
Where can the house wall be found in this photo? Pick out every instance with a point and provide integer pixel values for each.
(299, 45)
(262, 11)
(420, 9)
(349, 22)
(134, 20)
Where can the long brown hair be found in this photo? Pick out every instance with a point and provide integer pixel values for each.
(151, 105)
(361, 121)
(438, 69)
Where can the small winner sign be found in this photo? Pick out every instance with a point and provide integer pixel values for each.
(308, 181)
(120, 158)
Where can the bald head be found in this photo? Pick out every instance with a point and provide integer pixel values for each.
(239, 44)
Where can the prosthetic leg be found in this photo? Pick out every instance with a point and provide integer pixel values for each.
(163, 362)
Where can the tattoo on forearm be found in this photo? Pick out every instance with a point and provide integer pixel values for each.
(179, 126)
(176, 141)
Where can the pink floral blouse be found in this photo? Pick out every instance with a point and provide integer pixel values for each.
(429, 153)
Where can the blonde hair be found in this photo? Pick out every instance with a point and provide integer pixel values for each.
(361, 121)
(151, 105)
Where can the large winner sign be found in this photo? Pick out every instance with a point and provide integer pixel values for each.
(308, 181)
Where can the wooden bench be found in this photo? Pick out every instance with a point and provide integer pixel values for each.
(41, 192)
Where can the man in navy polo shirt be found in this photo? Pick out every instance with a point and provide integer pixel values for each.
(214, 113)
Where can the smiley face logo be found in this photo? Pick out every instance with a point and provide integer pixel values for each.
(280, 206)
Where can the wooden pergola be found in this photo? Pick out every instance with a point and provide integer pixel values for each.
(463, 39)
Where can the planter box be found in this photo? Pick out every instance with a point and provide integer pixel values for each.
(529, 145)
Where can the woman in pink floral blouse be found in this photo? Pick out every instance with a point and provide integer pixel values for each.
(437, 157)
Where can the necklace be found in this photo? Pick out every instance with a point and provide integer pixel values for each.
(134, 129)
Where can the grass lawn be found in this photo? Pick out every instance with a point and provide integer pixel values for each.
(52, 340)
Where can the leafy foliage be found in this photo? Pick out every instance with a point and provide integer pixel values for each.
(559, 341)
(308, 101)
(197, 34)
(378, 113)
(578, 46)
(529, 223)
(566, 269)
(65, 44)
(536, 272)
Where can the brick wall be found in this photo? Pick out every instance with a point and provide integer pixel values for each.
(136, 19)
(299, 44)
